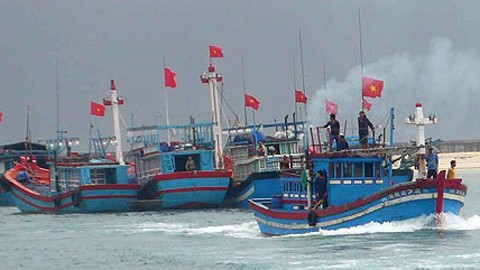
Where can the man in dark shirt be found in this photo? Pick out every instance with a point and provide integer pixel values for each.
(363, 125)
(334, 130)
(342, 144)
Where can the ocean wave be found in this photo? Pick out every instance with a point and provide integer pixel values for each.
(243, 230)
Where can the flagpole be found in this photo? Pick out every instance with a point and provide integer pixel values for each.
(90, 136)
(303, 71)
(166, 105)
(244, 90)
(325, 83)
(308, 186)
(361, 50)
(295, 81)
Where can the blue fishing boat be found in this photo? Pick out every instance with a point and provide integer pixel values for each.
(79, 188)
(355, 187)
(161, 166)
(76, 184)
(182, 166)
(262, 157)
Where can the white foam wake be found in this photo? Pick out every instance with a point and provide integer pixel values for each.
(243, 230)
(450, 222)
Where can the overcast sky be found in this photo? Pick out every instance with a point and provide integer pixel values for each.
(426, 51)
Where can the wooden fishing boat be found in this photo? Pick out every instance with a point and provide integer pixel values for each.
(355, 187)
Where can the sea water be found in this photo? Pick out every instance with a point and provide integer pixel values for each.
(230, 239)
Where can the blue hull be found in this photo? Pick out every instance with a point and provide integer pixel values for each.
(89, 199)
(192, 189)
(397, 203)
(6, 198)
(258, 185)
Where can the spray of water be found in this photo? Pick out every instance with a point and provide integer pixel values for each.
(444, 79)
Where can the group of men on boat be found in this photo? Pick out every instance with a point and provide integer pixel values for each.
(335, 135)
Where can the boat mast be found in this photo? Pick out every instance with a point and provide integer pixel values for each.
(244, 91)
(303, 71)
(166, 107)
(116, 124)
(305, 128)
(361, 52)
(212, 78)
(27, 135)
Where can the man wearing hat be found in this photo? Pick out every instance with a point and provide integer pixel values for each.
(342, 144)
(334, 130)
(432, 163)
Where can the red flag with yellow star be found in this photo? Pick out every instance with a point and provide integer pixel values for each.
(300, 97)
(215, 51)
(97, 109)
(170, 78)
(372, 87)
(251, 101)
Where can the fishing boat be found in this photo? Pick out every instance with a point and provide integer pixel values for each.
(161, 167)
(355, 187)
(23, 153)
(262, 158)
(161, 154)
(78, 185)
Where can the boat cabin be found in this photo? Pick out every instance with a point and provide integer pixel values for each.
(253, 150)
(154, 151)
(348, 178)
(70, 176)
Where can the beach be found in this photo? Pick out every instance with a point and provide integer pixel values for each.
(465, 160)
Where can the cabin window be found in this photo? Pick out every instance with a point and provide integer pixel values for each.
(369, 169)
(347, 170)
(357, 169)
(336, 170)
(181, 161)
(97, 176)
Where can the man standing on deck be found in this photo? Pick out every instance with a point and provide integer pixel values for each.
(334, 130)
(432, 163)
(451, 170)
(363, 125)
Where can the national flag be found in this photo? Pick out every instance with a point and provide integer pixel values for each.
(372, 87)
(331, 107)
(112, 85)
(215, 51)
(303, 178)
(300, 97)
(107, 102)
(170, 78)
(1, 117)
(366, 105)
(97, 109)
(251, 101)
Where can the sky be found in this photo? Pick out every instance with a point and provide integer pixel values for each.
(425, 51)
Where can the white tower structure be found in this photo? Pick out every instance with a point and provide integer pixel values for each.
(212, 78)
(116, 123)
(420, 121)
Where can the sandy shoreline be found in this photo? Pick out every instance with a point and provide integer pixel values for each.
(465, 160)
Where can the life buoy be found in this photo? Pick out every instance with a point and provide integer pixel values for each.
(312, 218)
(76, 197)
